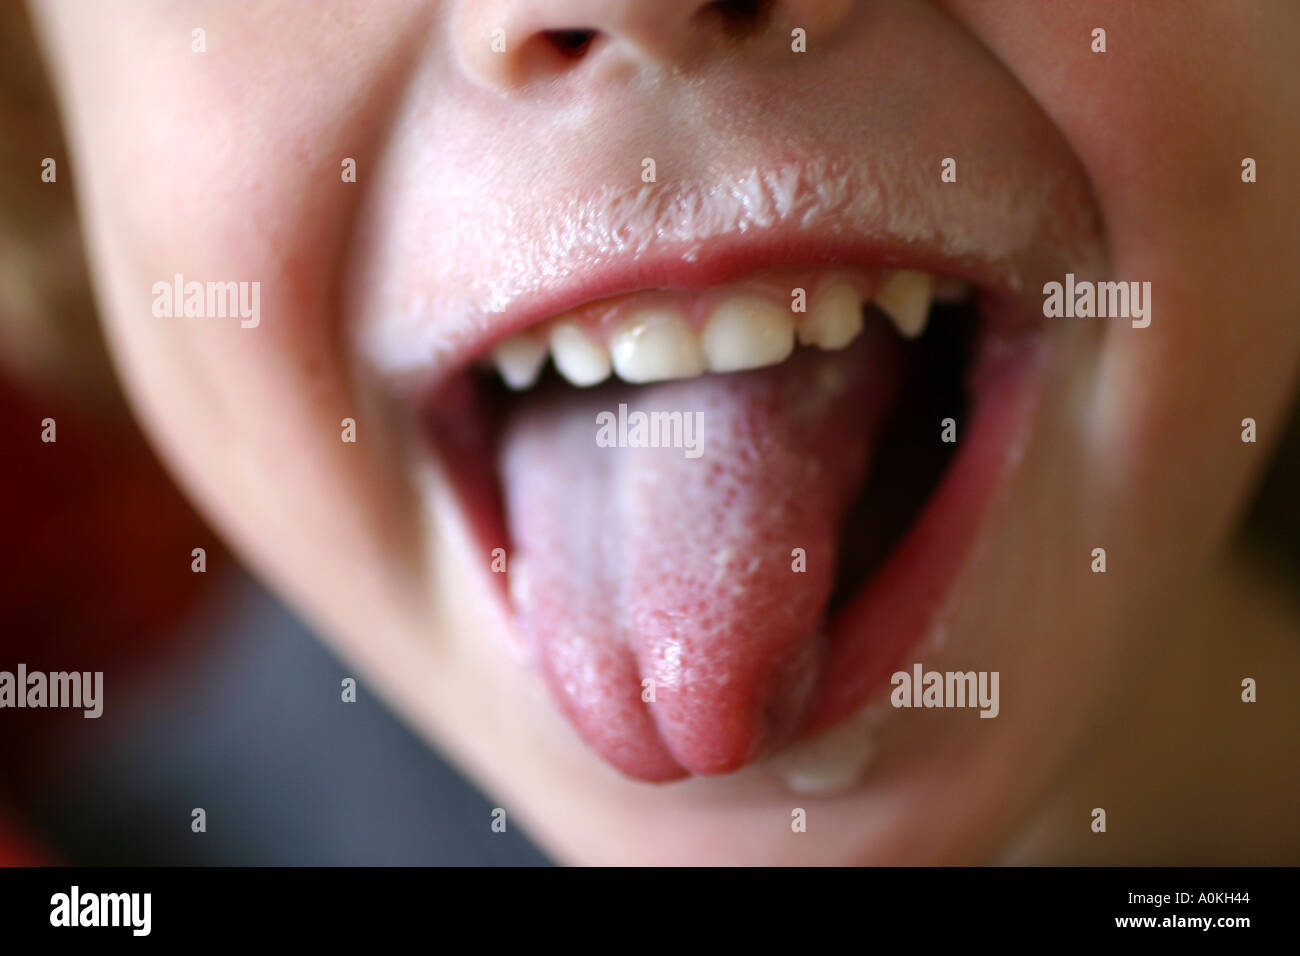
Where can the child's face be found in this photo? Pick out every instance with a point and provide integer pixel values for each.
(494, 190)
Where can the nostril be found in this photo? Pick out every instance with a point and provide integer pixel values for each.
(739, 18)
(572, 44)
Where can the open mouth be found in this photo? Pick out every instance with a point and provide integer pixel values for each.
(729, 511)
(719, 517)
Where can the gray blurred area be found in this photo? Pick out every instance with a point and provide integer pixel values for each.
(252, 729)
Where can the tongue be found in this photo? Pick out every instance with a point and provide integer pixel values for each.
(674, 596)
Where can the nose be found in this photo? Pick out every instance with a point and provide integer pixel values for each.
(506, 45)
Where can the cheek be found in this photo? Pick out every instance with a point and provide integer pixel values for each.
(228, 164)
(1162, 122)
(226, 167)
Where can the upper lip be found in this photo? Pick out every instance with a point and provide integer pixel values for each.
(552, 257)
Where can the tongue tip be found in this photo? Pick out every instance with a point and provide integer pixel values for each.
(715, 759)
(722, 733)
(703, 756)
(650, 769)
(643, 757)
(673, 743)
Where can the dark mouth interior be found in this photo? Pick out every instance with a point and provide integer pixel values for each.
(910, 458)
(909, 461)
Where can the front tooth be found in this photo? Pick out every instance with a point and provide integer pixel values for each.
(746, 333)
(519, 359)
(579, 359)
(656, 345)
(836, 318)
(905, 298)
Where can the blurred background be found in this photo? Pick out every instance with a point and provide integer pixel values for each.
(218, 697)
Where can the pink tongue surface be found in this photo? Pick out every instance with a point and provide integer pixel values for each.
(704, 569)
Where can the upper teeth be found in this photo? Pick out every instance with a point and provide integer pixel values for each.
(740, 331)
(835, 319)
(905, 298)
(747, 333)
(580, 359)
(519, 359)
(656, 345)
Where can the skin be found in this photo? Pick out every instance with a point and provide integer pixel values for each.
(227, 166)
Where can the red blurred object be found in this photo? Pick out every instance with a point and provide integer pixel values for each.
(16, 850)
(97, 546)
(95, 565)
